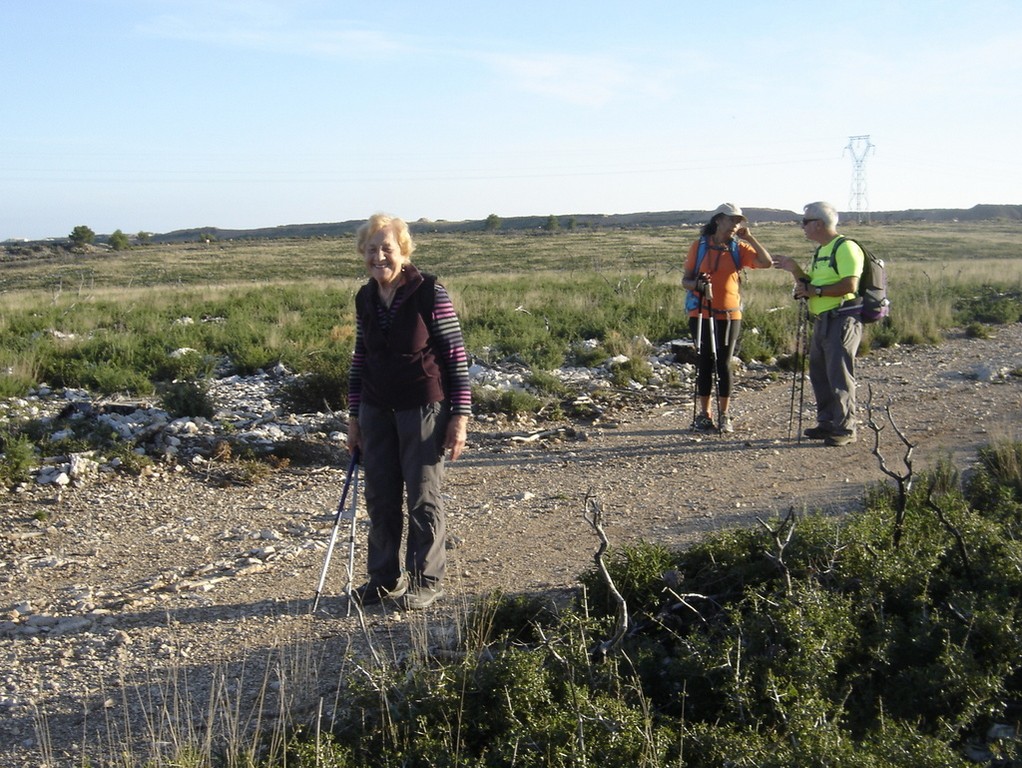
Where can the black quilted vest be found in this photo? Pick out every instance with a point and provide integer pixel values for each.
(401, 370)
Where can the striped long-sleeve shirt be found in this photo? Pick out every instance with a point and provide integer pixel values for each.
(445, 338)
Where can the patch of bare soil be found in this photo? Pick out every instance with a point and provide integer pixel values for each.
(124, 600)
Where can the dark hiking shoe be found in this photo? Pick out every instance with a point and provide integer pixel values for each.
(817, 433)
(372, 593)
(422, 596)
(846, 438)
(703, 423)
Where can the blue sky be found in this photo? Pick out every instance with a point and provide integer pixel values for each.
(155, 115)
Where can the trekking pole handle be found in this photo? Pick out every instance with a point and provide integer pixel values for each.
(704, 286)
(804, 281)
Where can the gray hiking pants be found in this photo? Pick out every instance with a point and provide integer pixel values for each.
(402, 456)
(832, 352)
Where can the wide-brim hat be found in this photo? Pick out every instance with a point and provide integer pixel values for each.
(729, 209)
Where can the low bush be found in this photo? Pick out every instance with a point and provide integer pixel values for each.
(990, 305)
(323, 387)
(811, 641)
(17, 458)
(187, 399)
(512, 402)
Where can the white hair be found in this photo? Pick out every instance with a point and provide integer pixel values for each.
(825, 212)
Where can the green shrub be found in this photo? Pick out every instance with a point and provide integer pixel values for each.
(17, 460)
(990, 305)
(512, 402)
(129, 460)
(632, 370)
(547, 383)
(326, 386)
(508, 619)
(187, 399)
(995, 488)
(16, 382)
(831, 646)
(978, 331)
(191, 364)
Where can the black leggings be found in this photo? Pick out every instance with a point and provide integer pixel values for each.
(725, 333)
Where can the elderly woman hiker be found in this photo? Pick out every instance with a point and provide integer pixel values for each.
(409, 402)
(712, 276)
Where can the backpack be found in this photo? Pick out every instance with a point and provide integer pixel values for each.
(693, 300)
(872, 283)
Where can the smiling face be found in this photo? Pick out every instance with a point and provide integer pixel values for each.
(383, 257)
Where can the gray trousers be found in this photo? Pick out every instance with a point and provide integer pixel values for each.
(832, 352)
(402, 456)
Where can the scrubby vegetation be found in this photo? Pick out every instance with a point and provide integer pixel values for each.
(808, 641)
(162, 320)
(108, 322)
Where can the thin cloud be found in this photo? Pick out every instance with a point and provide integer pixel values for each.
(582, 80)
(268, 27)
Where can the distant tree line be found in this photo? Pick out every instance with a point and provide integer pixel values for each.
(82, 235)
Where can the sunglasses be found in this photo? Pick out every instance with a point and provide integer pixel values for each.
(808, 221)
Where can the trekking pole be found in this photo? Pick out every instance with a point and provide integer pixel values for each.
(352, 474)
(796, 362)
(714, 378)
(699, 352)
(351, 548)
(802, 365)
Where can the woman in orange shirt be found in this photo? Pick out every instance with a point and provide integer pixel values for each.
(727, 247)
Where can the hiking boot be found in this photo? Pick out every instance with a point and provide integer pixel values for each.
(845, 438)
(422, 596)
(372, 593)
(725, 423)
(819, 432)
(703, 423)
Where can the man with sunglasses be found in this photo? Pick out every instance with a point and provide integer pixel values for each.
(830, 288)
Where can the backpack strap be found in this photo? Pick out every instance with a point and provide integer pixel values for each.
(700, 253)
(736, 255)
(851, 306)
(833, 252)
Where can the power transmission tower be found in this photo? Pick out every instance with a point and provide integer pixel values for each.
(859, 147)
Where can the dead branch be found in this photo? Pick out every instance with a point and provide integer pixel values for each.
(782, 537)
(963, 551)
(540, 435)
(594, 516)
(903, 480)
(682, 601)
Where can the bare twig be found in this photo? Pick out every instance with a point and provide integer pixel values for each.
(904, 480)
(536, 436)
(594, 516)
(963, 552)
(782, 537)
(547, 644)
(365, 631)
(683, 602)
